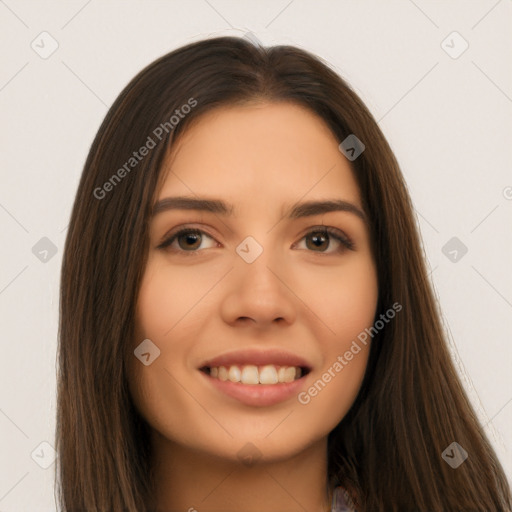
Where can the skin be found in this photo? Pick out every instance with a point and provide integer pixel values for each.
(261, 158)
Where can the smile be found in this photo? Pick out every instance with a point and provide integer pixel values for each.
(252, 374)
(257, 386)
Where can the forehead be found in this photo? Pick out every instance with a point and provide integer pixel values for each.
(280, 151)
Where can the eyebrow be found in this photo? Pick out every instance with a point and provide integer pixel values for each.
(297, 210)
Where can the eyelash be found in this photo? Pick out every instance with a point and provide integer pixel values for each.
(345, 241)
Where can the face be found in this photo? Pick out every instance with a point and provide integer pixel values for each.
(259, 285)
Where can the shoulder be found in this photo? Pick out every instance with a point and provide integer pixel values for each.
(341, 501)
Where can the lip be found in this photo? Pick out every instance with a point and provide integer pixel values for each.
(257, 358)
(257, 395)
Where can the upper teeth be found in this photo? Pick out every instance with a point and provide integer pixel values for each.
(251, 374)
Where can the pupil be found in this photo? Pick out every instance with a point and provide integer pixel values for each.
(191, 238)
(318, 239)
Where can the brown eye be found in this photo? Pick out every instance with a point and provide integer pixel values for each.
(188, 240)
(317, 240)
(321, 240)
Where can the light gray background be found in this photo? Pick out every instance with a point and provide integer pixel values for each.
(448, 121)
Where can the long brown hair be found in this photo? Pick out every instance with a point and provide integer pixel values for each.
(388, 449)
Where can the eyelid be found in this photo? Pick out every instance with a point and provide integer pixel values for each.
(170, 236)
(336, 233)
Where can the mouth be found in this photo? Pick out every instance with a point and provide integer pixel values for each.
(256, 375)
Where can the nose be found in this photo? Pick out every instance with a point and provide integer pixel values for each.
(259, 294)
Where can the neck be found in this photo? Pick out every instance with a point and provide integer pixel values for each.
(188, 480)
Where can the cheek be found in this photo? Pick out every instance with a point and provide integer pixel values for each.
(346, 304)
(156, 307)
(156, 313)
(156, 388)
(164, 298)
(345, 300)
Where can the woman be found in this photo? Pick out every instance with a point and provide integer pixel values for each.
(246, 319)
